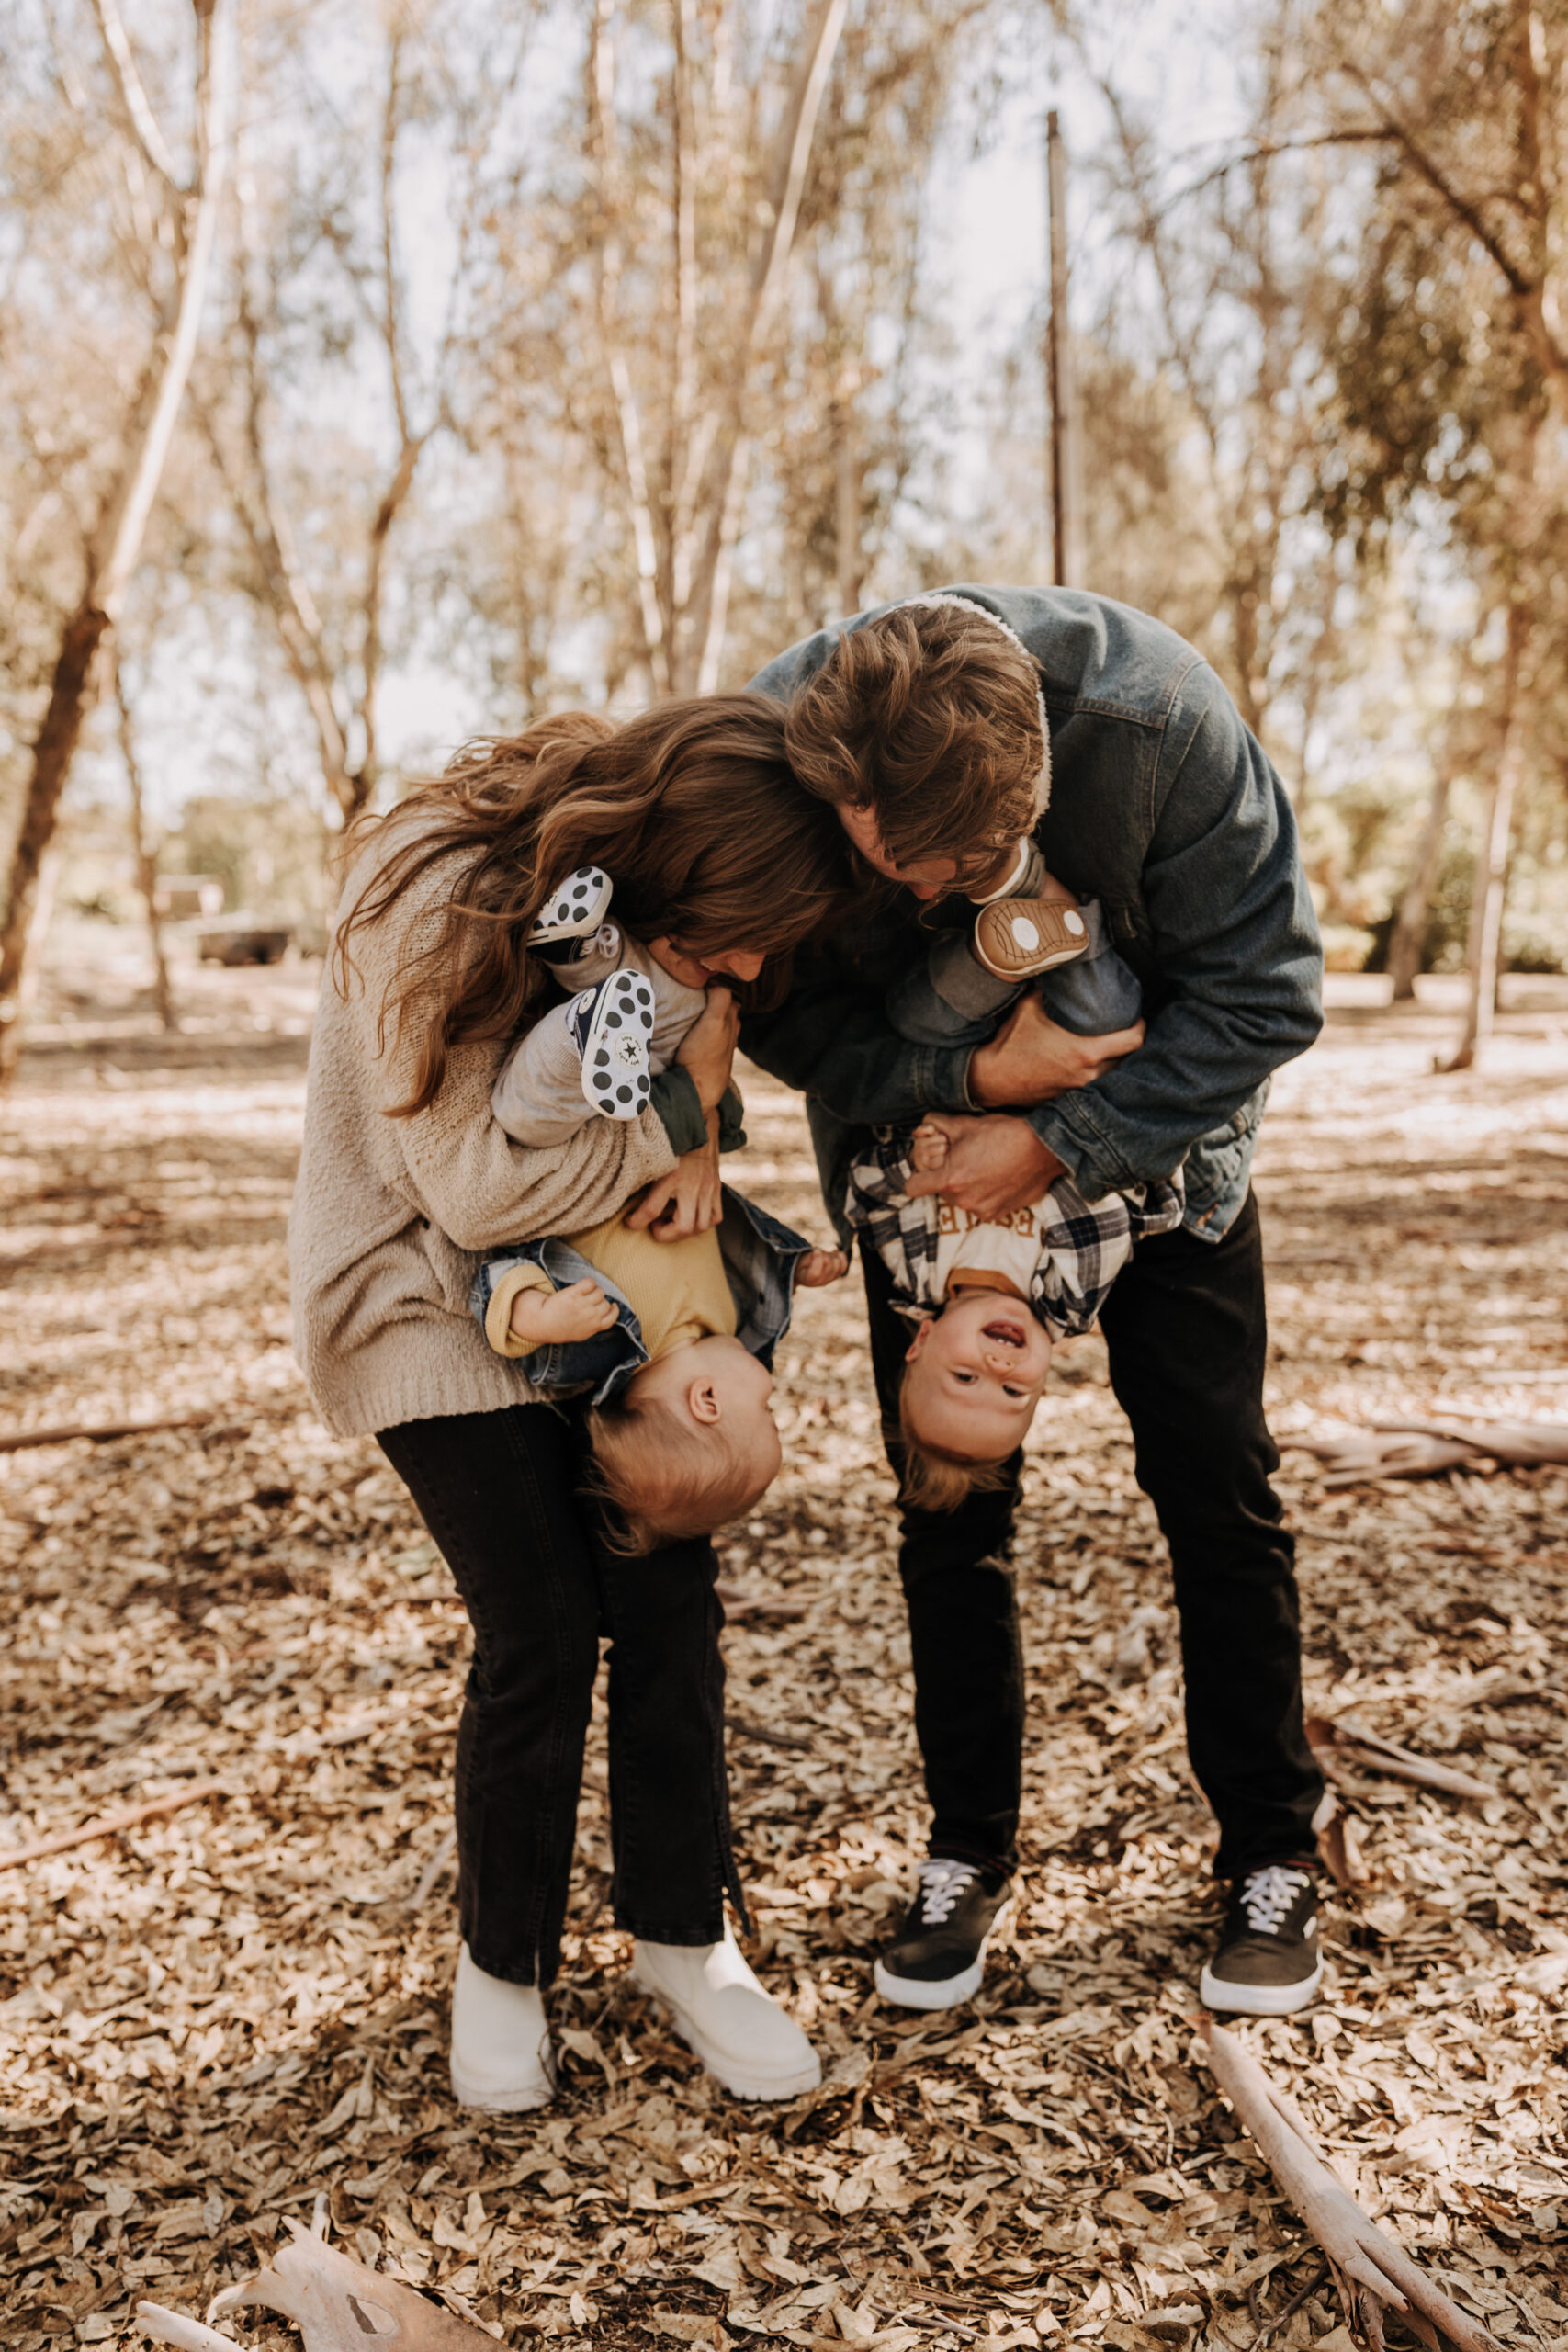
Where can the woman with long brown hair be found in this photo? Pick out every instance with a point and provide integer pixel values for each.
(718, 858)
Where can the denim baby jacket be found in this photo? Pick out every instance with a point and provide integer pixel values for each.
(760, 1254)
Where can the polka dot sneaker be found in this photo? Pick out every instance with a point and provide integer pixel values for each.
(612, 1027)
(1020, 938)
(573, 911)
(1268, 1964)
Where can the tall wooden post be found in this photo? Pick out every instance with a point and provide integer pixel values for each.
(1066, 544)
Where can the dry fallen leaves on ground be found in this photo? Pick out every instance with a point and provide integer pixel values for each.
(230, 2008)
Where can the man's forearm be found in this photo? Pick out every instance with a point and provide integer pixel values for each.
(1138, 1122)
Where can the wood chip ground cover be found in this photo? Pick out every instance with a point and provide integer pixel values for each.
(230, 2008)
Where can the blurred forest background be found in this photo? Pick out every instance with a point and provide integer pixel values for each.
(373, 376)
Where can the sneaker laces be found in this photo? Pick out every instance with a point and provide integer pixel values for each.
(944, 1884)
(1267, 1896)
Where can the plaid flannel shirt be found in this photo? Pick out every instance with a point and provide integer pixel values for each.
(1083, 1250)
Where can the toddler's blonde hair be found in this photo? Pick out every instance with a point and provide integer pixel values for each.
(665, 1478)
(934, 1479)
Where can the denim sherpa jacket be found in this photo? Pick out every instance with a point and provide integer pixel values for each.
(760, 1261)
(1165, 809)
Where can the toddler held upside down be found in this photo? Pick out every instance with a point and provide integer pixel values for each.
(988, 1298)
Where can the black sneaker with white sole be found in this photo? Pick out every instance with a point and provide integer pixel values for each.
(938, 1956)
(1268, 1964)
(611, 1027)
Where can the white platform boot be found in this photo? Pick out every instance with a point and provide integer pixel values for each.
(732, 2022)
(501, 2057)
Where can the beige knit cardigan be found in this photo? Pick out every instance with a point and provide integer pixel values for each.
(391, 1216)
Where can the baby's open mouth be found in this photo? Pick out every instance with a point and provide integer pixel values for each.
(1011, 1335)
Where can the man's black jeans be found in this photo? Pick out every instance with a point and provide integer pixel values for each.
(1186, 1334)
(500, 1494)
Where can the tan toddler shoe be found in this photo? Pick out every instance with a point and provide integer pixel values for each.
(1020, 938)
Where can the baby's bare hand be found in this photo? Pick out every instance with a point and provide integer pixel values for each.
(575, 1313)
(821, 1267)
(928, 1149)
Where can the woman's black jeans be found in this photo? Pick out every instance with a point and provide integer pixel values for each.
(1186, 1334)
(500, 1494)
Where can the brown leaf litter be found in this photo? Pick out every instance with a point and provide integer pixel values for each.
(226, 2009)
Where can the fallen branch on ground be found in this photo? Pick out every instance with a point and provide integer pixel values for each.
(746, 1730)
(335, 2302)
(1360, 1455)
(111, 1824)
(1372, 2274)
(1346, 1740)
(1521, 1445)
(94, 1432)
(1409, 1449)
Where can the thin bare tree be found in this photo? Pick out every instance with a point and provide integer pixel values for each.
(186, 216)
(1240, 271)
(684, 542)
(1408, 939)
(141, 846)
(1491, 851)
(1450, 359)
(338, 665)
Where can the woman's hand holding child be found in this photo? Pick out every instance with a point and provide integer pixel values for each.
(706, 1052)
(687, 1200)
(575, 1313)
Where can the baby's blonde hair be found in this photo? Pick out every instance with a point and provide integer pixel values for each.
(934, 1479)
(664, 1476)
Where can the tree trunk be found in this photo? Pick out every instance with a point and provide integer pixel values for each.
(1492, 857)
(146, 864)
(722, 497)
(125, 525)
(1408, 935)
(51, 764)
(37, 936)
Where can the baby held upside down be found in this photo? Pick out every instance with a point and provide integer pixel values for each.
(688, 1441)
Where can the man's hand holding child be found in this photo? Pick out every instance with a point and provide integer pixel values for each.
(821, 1267)
(576, 1313)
